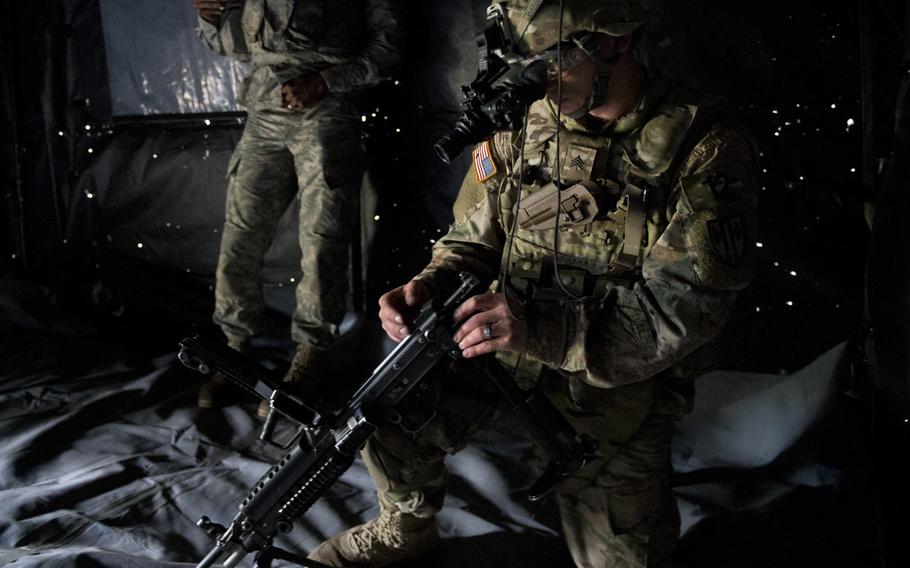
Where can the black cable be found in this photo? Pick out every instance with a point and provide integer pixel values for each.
(510, 237)
(557, 165)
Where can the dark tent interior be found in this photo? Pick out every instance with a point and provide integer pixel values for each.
(117, 127)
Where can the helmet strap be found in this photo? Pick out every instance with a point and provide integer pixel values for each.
(598, 94)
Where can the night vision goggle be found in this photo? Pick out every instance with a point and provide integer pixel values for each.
(498, 98)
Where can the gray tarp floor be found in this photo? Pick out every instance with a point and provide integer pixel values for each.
(105, 461)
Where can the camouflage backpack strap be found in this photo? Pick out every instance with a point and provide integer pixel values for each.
(634, 227)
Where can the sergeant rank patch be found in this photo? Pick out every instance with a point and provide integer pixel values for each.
(484, 167)
(727, 239)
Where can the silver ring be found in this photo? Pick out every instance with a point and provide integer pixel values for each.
(488, 332)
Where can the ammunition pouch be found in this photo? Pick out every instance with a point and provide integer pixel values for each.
(536, 281)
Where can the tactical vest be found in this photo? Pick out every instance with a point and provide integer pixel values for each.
(282, 26)
(615, 205)
(629, 175)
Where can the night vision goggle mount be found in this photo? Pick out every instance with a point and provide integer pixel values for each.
(499, 96)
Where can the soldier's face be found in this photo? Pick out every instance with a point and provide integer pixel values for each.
(578, 73)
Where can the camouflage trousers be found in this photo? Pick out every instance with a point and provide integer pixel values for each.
(316, 154)
(619, 511)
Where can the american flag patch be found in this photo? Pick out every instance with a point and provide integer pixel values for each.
(484, 168)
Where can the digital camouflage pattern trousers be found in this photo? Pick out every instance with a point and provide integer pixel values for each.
(619, 511)
(315, 153)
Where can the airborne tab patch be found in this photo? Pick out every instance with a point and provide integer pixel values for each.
(484, 167)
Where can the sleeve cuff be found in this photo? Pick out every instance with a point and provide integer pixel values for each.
(549, 326)
(334, 78)
(206, 28)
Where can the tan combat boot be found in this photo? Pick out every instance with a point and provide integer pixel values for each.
(308, 373)
(392, 537)
(213, 392)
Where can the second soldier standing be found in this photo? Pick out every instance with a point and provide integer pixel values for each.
(302, 136)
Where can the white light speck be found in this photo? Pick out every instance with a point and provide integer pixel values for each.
(774, 111)
(777, 133)
(60, 133)
(363, 118)
(12, 255)
(375, 217)
(90, 150)
(432, 241)
(757, 309)
(88, 126)
(850, 122)
(396, 82)
(792, 273)
(292, 279)
(90, 195)
(154, 156)
(373, 115)
(138, 245)
(207, 122)
(789, 302)
(776, 263)
(397, 130)
(759, 245)
(801, 178)
(833, 105)
(852, 170)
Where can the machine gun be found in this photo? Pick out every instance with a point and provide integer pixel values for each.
(326, 445)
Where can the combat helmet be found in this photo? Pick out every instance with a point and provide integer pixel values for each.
(535, 23)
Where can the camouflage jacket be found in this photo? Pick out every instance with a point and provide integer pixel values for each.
(351, 43)
(634, 311)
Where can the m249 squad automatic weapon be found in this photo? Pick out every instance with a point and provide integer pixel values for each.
(326, 445)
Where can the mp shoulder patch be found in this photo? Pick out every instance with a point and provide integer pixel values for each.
(484, 166)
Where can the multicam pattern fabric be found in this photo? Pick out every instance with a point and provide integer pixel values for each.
(619, 357)
(535, 24)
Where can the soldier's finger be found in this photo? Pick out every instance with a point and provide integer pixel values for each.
(391, 315)
(475, 304)
(216, 5)
(474, 325)
(394, 331)
(498, 344)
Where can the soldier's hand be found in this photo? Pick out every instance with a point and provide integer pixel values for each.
(304, 91)
(491, 326)
(397, 308)
(210, 10)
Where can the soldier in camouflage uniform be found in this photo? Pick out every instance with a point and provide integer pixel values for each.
(301, 137)
(611, 312)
